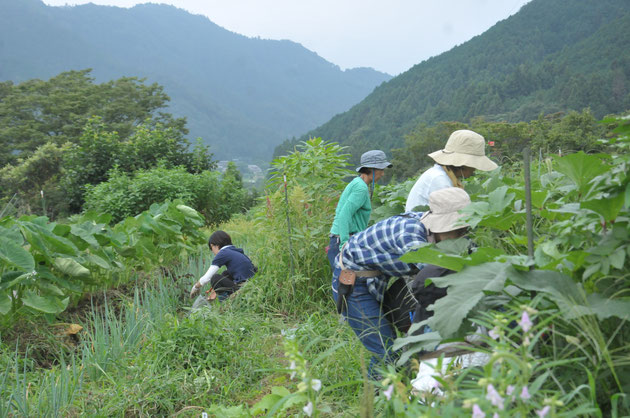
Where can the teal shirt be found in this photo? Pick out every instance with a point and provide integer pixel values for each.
(353, 210)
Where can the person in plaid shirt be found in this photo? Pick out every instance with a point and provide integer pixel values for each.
(376, 252)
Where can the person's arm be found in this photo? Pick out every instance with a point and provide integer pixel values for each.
(355, 201)
(203, 280)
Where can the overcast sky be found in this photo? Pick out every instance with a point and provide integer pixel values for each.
(390, 36)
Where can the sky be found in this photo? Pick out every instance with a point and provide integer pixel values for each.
(389, 36)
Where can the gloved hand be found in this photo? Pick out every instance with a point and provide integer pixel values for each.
(195, 290)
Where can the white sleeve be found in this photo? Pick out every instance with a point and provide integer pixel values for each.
(206, 277)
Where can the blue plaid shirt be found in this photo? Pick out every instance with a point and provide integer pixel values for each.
(380, 246)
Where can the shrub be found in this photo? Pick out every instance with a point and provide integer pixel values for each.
(123, 195)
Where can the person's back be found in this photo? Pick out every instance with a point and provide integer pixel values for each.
(237, 264)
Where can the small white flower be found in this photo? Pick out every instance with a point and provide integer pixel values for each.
(388, 392)
(316, 384)
(494, 333)
(308, 409)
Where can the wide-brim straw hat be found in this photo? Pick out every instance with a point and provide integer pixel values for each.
(444, 206)
(464, 148)
(374, 159)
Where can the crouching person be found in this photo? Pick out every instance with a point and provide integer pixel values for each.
(370, 258)
(239, 268)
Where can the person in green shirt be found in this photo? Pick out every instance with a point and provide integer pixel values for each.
(354, 207)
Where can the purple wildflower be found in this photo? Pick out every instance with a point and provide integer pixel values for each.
(477, 412)
(543, 412)
(494, 397)
(525, 322)
(525, 394)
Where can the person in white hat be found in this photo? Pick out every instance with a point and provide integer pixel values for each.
(463, 154)
(354, 207)
(373, 255)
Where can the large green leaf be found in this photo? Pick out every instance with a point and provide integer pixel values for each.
(71, 267)
(11, 234)
(581, 168)
(15, 256)
(440, 256)
(465, 290)
(44, 303)
(607, 208)
(5, 303)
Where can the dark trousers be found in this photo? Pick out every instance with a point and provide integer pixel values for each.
(223, 284)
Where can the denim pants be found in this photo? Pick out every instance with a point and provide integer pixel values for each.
(366, 318)
(333, 251)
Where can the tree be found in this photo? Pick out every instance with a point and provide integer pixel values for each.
(35, 112)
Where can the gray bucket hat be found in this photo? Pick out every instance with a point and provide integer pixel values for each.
(374, 159)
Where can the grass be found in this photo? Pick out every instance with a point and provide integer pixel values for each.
(145, 354)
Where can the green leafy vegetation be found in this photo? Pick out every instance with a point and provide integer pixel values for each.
(558, 321)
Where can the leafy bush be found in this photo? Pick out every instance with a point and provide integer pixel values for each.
(124, 195)
(43, 264)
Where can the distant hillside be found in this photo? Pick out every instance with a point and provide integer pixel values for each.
(241, 95)
(553, 55)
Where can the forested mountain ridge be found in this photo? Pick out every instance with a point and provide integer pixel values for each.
(551, 56)
(241, 95)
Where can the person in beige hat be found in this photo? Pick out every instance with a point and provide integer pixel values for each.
(373, 256)
(463, 154)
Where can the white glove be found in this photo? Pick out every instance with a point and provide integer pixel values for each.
(195, 290)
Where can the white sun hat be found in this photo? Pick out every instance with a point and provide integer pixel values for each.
(464, 148)
(444, 206)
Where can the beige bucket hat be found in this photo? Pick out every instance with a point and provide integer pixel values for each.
(444, 205)
(467, 148)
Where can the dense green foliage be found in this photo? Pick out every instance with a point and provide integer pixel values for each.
(241, 95)
(44, 264)
(217, 197)
(551, 56)
(36, 112)
(126, 144)
(563, 134)
(558, 321)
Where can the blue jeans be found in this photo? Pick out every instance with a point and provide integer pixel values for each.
(333, 251)
(366, 318)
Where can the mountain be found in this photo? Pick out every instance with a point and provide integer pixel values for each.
(551, 56)
(241, 95)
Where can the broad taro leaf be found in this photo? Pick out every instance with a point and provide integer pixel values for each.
(44, 303)
(5, 303)
(12, 234)
(41, 236)
(87, 232)
(71, 268)
(74, 286)
(14, 255)
(607, 208)
(581, 168)
(465, 290)
(191, 214)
